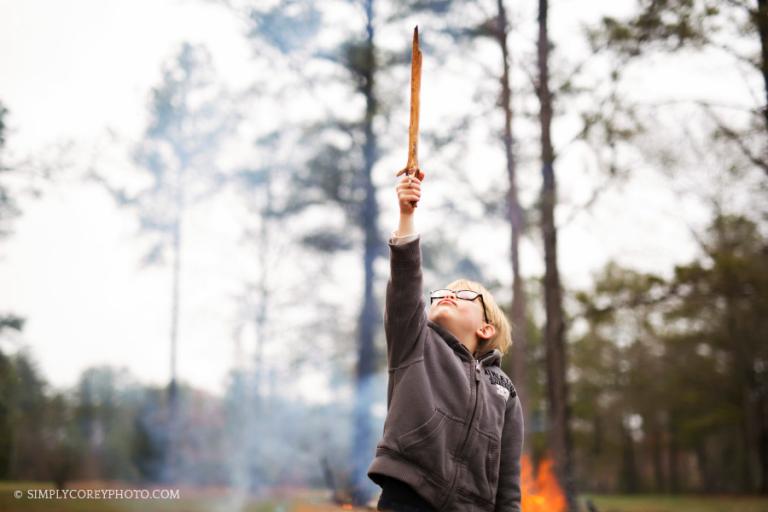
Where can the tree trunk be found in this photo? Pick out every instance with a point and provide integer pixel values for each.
(761, 20)
(175, 298)
(673, 456)
(656, 449)
(172, 453)
(708, 483)
(554, 332)
(629, 477)
(517, 224)
(747, 440)
(762, 414)
(597, 435)
(369, 315)
(261, 313)
(250, 416)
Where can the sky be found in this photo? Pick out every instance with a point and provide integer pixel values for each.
(73, 72)
(75, 77)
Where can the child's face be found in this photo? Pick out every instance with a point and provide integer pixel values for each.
(462, 317)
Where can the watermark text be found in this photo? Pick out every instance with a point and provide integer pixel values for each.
(98, 494)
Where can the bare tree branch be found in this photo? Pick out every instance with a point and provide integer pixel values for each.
(737, 139)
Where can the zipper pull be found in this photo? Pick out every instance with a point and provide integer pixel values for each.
(477, 371)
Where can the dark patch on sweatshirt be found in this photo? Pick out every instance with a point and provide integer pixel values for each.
(502, 380)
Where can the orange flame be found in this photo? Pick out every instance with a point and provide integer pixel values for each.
(543, 493)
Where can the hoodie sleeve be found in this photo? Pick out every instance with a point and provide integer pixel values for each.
(508, 495)
(405, 318)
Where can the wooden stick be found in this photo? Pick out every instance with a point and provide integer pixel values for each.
(412, 166)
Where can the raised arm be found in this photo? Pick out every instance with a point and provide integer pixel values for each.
(404, 315)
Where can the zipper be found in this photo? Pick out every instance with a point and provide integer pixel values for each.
(477, 364)
(474, 408)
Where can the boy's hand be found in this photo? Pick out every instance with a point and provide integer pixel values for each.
(408, 194)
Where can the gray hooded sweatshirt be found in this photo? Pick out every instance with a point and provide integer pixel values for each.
(454, 425)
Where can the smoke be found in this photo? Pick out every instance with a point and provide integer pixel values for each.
(258, 443)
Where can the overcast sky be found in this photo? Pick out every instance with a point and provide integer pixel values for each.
(73, 72)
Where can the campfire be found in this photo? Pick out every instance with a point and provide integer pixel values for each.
(542, 493)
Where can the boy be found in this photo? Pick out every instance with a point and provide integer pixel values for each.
(454, 428)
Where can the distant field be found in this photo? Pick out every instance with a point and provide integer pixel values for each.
(191, 500)
(220, 500)
(623, 503)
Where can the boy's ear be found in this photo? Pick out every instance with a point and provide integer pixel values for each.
(486, 332)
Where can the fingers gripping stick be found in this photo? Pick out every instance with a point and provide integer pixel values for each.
(408, 193)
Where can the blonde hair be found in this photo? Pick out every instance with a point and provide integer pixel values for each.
(502, 340)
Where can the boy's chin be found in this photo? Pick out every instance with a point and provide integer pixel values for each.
(440, 316)
(443, 319)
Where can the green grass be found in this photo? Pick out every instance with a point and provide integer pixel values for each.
(194, 501)
(661, 503)
(310, 501)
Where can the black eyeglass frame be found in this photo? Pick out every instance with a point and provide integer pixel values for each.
(456, 294)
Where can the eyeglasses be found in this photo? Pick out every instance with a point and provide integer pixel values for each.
(469, 295)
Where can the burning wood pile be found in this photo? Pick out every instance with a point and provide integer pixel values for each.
(541, 493)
